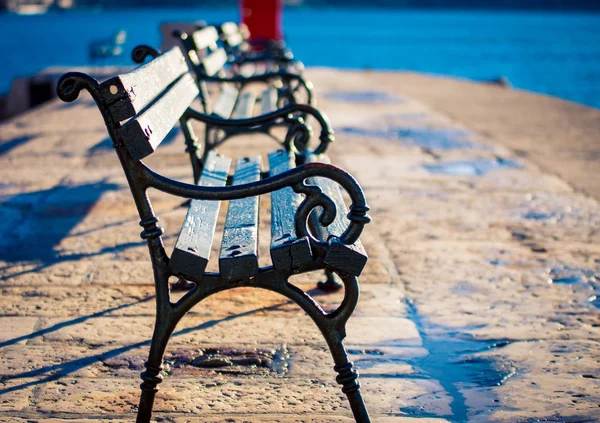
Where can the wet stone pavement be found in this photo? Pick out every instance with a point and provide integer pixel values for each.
(479, 302)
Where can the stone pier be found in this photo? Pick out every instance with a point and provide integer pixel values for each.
(480, 301)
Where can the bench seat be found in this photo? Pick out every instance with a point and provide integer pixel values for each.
(239, 249)
(233, 103)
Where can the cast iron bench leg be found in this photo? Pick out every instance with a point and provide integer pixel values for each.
(333, 331)
(151, 377)
(347, 378)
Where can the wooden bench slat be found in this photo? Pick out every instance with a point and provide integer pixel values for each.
(214, 62)
(129, 93)
(245, 106)
(268, 100)
(145, 132)
(287, 251)
(229, 27)
(232, 34)
(192, 250)
(206, 38)
(347, 258)
(235, 39)
(246, 70)
(239, 249)
(226, 101)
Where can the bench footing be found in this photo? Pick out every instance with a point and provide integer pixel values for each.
(350, 386)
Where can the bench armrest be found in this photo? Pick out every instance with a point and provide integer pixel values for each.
(294, 178)
(287, 77)
(325, 137)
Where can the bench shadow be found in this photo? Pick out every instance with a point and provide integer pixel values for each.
(38, 222)
(7, 146)
(71, 322)
(70, 257)
(105, 145)
(66, 368)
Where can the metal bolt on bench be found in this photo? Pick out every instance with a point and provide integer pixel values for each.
(139, 109)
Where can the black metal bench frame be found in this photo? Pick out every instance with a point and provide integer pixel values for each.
(127, 116)
(297, 132)
(235, 38)
(200, 47)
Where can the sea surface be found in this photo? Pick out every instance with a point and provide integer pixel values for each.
(553, 53)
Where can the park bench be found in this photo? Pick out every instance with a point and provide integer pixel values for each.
(210, 61)
(274, 53)
(231, 102)
(139, 109)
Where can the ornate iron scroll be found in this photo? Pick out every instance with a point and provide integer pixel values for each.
(141, 52)
(70, 85)
(292, 178)
(325, 138)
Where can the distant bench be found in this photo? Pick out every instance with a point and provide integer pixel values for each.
(275, 54)
(311, 228)
(232, 99)
(212, 55)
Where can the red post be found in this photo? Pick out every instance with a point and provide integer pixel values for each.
(263, 18)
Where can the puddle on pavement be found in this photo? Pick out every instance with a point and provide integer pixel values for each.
(533, 215)
(568, 275)
(441, 139)
(453, 362)
(478, 167)
(235, 361)
(363, 97)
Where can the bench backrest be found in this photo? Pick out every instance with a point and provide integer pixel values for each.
(151, 99)
(206, 38)
(232, 35)
(203, 51)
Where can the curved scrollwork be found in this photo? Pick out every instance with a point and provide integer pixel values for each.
(285, 95)
(287, 92)
(292, 178)
(141, 52)
(326, 136)
(298, 135)
(70, 85)
(314, 198)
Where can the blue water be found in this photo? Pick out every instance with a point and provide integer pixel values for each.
(556, 54)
